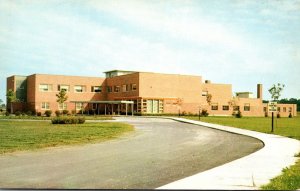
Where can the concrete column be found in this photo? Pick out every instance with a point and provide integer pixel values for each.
(126, 108)
(105, 110)
(132, 109)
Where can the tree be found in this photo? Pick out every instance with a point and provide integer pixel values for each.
(275, 91)
(61, 96)
(11, 97)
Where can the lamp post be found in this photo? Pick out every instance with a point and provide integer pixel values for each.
(199, 112)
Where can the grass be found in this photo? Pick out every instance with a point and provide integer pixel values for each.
(289, 127)
(31, 135)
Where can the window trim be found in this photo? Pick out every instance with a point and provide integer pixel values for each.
(227, 107)
(247, 107)
(46, 106)
(64, 106)
(214, 107)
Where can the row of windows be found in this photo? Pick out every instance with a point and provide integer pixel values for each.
(279, 108)
(215, 106)
(125, 88)
(82, 88)
(63, 106)
(77, 88)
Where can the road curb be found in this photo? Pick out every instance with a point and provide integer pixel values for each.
(247, 173)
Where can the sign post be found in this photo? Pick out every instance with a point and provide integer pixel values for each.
(272, 107)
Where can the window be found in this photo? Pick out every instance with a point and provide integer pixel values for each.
(117, 89)
(79, 106)
(124, 88)
(278, 109)
(225, 107)
(108, 89)
(247, 107)
(45, 105)
(290, 109)
(204, 93)
(284, 109)
(62, 106)
(63, 87)
(45, 87)
(96, 89)
(236, 108)
(265, 109)
(214, 106)
(79, 88)
(133, 87)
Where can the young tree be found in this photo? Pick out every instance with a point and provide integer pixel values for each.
(61, 96)
(276, 90)
(11, 97)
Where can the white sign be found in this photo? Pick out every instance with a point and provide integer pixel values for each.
(272, 106)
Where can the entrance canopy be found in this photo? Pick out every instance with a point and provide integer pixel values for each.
(110, 103)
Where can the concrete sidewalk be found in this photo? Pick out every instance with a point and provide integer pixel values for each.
(249, 172)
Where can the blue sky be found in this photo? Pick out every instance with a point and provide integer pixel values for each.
(238, 42)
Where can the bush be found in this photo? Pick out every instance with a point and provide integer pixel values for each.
(238, 114)
(18, 113)
(39, 113)
(204, 113)
(290, 115)
(7, 113)
(266, 114)
(68, 120)
(65, 112)
(29, 113)
(278, 115)
(57, 113)
(48, 113)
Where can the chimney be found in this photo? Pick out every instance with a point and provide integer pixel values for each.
(259, 91)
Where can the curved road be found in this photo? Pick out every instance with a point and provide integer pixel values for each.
(160, 151)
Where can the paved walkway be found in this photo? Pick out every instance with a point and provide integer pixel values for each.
(249, 172)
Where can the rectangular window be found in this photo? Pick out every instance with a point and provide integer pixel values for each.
(124, 88)
(79, 89)
(265, 109)
(62, 106)
(214, 106)
(290, 109)
(236, 108)
(96, 89)
(284, 109)
(204, 93)
(45, 105)
(79, 106)
(247, 107)
(278, 109)
(133, 87)
(225, 107)
(45, 87)
(117, 89)
(108, 89)
(63, 87)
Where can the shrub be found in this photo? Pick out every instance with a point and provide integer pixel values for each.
(29, 113)
(278, 115)
(18, 113)
(238, 114)
(266, 114)
(290, 115)
(7, 113)
(68, 120)
(65, 112)
(39, 113)
(204, 113)
(48, 113)
(57, 113)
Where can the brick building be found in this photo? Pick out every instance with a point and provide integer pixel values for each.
(136, 92)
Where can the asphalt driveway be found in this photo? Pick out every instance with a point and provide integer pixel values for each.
(160, 151)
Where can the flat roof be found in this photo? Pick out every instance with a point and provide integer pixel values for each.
(111, 102)
(119, 71)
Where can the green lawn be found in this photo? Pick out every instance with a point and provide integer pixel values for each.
(30, 135)
(289, 127)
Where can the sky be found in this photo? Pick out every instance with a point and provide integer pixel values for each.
(236, 42)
